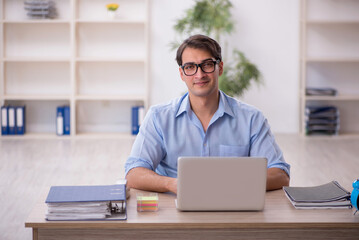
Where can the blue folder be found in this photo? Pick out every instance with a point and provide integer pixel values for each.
(66, 120)
(68, 202)
(20, 120)
(60, 121)
(4, 120)
(11, 120)
(137, 118)
(135, 126)
(96, 193)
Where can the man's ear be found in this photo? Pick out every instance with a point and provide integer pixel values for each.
(220, 65)
(181, 73)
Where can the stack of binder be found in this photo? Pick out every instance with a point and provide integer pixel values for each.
(40, 9)
(330, 195)
(12, 120)
(105, 202)
(322, 120)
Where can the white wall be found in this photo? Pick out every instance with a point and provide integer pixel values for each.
(266, 31)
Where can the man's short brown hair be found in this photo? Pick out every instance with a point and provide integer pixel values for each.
(199, 42)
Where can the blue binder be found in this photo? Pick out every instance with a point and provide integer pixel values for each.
(20, 120)
(11, 120)
(135, 126)
(137, 118)
(4, 120)
(66, 120)
(60, 121)
(69, 199)
(96, 193)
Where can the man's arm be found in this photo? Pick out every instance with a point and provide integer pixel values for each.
(276, 178)
(148, 180)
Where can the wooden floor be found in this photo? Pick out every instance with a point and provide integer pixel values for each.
(30, 167)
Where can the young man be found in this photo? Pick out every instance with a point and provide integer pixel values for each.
(203, 122)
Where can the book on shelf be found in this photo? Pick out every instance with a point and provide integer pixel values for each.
(310, 91)
(329, 195)
(98, 202)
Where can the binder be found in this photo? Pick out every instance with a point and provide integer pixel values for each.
(99, 202)
(137, 118)
(20, 120)
(4, 120)
(66, 120)
(12, 120)
(60, 121)
(135, 126)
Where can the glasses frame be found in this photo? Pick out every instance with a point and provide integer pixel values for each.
(200, 66)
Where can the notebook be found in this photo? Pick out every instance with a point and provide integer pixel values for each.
(221, 183)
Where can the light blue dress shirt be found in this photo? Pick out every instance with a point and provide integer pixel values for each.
(173, 130)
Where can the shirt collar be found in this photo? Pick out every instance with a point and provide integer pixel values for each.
(223, 106)
(184, 105)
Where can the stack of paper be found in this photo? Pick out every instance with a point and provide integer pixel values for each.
(330, 195)
(40, 9)
(147, 203)
(322, 120)
(87, 202)
(320, 91)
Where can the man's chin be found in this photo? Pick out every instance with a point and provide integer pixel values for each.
(202, 92)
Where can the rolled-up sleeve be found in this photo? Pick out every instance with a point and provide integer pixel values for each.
(263, 144)
(147, 150)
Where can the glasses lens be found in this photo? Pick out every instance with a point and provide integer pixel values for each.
(189, 68)
(208, 66)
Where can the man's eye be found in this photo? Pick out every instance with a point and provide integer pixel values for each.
(189, 67)
(207, 64)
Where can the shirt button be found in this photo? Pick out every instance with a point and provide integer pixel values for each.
(204, 145)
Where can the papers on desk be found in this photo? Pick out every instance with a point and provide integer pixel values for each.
(330, 195)
(87, 202)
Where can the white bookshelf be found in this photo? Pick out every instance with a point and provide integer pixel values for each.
(97, 65)
(329, 57)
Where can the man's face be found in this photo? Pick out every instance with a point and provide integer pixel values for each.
(200, 84)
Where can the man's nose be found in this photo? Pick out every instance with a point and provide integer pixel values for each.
(200, 73)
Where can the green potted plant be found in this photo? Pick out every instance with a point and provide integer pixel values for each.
(213, 18)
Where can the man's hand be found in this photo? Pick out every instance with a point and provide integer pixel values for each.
(145, 179)
(276, 178)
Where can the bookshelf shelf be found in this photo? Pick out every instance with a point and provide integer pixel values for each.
(37, 97)
(329, 57)
(331, 22)
(96, 65)
(32, 21)
(111, 59)
(36, 59)
(333, 98)
(112, 21)
(332, 59)
(109, 97)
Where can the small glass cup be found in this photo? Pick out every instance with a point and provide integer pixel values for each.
(147, 202)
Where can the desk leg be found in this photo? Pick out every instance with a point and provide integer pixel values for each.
(35, 235)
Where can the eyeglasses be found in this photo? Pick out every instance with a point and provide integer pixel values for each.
(208, 66)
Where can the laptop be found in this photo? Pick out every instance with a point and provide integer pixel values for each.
(221, 183)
